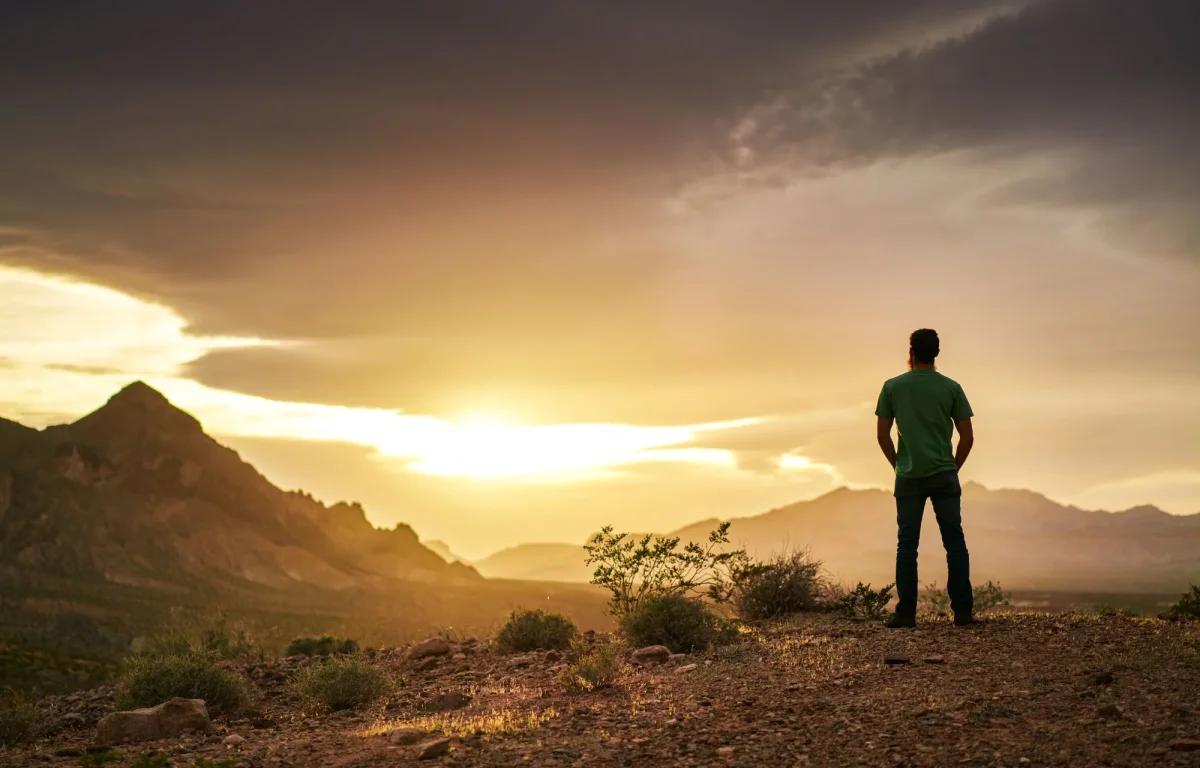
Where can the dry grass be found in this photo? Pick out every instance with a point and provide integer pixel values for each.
(502, 722)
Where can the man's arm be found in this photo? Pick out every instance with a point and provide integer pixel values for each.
(883, 430)
(966, 439)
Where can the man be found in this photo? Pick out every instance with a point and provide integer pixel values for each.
(925, 405)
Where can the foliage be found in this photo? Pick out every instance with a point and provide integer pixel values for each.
(20, 720)
(936, 601)
(216, 639)
(787, 584)
(535, 631)
(683, 624)
(320, 646)
(152, 678)
(99, 759)
(152, 760)
(343, 682)
(597, 665)
(1104, 609)
(1188, 606)
(653, 566)
(862, 601)
(225, 762)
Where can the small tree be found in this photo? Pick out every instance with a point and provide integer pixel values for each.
(634, 570)
(1188, 606)
(862, 602)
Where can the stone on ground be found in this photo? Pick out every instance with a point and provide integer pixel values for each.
(431, 749)
(167, 720)
(434, 646)
(405, 737)
(652, 654)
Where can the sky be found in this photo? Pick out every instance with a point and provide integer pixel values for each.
(511, 271)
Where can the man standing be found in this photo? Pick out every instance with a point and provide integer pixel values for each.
(925, 405)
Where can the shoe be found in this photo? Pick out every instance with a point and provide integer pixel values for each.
(898, 621)
(968, 621)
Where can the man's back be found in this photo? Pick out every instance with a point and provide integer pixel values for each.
(925, 404)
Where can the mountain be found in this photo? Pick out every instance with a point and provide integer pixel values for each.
(1020, 538)
(136, 493)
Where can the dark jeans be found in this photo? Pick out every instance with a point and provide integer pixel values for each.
(946, 493)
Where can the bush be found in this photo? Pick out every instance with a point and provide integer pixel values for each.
(151, 678)
(654, 566)
(683, 624)
(535, 631)
(20, 720)
(320, 646)
(217, 639)
(1188, 606)
(597, 666)
(862, 602)
(936, 601)
(343, 682)
(787, 584)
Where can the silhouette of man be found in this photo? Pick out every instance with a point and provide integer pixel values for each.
(925, 406)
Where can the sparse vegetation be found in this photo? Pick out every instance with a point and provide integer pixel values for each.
(935, 601)
(152, 678)
(20, 720)
(635, 571)
(216, 638)
(535, 631)
(320, 646)
(989, 596)
(683, 624)
(1188, 606)
(343, 682)
(99, 759)
(225, 762)
(862, 602)
(151, 760)
(787, 584)
(597, 665)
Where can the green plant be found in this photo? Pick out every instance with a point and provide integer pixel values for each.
(683, 624)
(152, 760)
(653, 566)
(863, 602)
(936, 601)
(787, 584)
(1188, 607)
(535, 631)
(151, 678)
(320, 646)
(99, 759)
(216, 638)
(343, 682)
(20, 720)
(597, 665)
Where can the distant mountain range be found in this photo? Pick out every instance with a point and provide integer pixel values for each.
(1020, 538)
(136, 493)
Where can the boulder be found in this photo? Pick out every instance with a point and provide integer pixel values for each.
(447, 702)
(167, 720)
(434, 646)
(431, 749)
(652, 654)
(405, 737)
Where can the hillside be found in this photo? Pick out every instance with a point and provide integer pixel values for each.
(136, 493)
(1021, 538)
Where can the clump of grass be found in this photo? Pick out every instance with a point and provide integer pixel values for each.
(152, 760)
(597, 666)
(683, 624)
(535, 631)
(862, 602)
(320, 646)
(787, 584)
(343, 682)
(20, 721)
(152, 678)
(215, 638)
(502, 722)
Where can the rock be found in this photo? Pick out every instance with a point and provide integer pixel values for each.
(432, 749)
(687, 668)
(434, 646)
(447, 702)
(725, 751)
(405, 737)
(553, 657)
(1186, 745)
(651, 654)
(895, 658)
(1110, 712)
(234, 740)
(165, 721)
(520, 662)
(263, 723)
(1102, 678)
(459, 656)
(935, 659)
(71, 721)
(426, 664)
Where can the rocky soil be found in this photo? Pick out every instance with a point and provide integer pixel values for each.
(1021, 690)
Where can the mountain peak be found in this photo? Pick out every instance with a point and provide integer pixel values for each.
(139, 392)
(140, 407)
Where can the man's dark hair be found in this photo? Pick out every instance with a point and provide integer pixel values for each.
(924, 345)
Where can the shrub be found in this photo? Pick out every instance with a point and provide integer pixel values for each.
(936, 601)
(654, 566)
(597, 666)
(99, 759)
(862, 601)
(683, 624)
(20, 720)
(788, 584)
(343, 682)
(152, 760)
(535, 631)
(320, 646)
(152, 678)
(217, 639)
(1188, 606)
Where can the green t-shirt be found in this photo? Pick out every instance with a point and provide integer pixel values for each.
(925, 405)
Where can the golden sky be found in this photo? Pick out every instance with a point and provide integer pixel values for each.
(508, 290)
